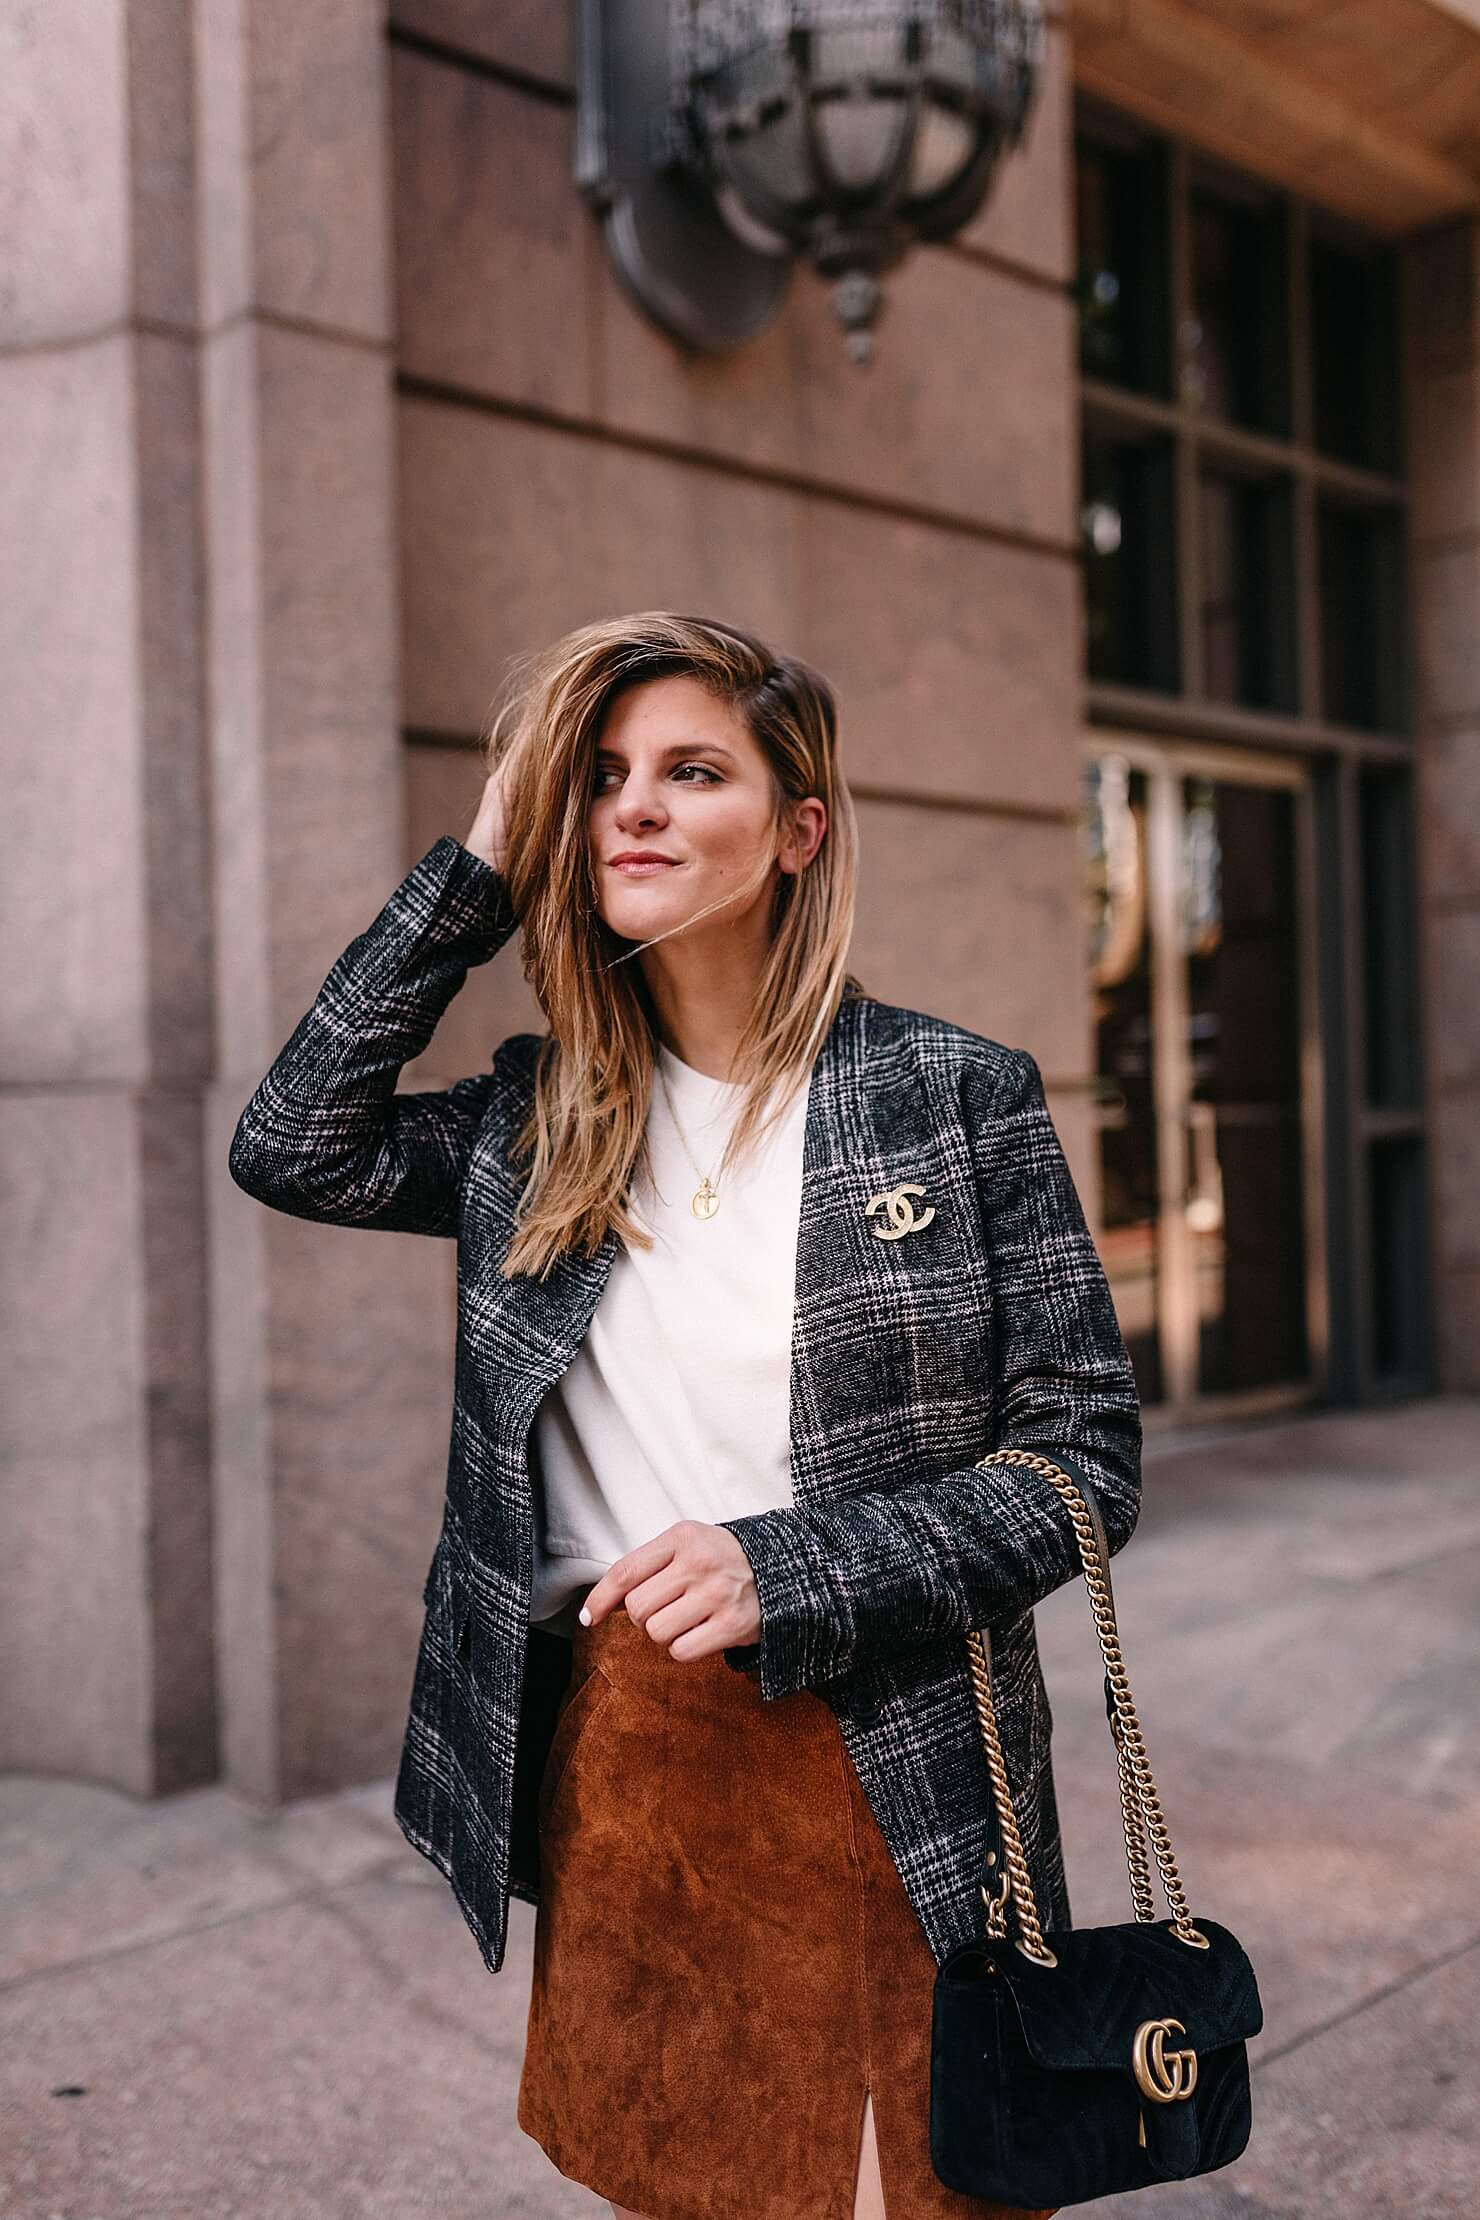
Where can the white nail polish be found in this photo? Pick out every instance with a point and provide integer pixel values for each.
(584, 1616)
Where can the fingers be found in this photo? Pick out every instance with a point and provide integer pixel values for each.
(690, 1588)
(671, 1620)
(628, 1570)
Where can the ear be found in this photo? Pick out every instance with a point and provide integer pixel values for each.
(803, 838)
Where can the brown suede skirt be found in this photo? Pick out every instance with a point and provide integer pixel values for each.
(725, 1959)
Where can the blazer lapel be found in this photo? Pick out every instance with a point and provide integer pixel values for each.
(890, 1330)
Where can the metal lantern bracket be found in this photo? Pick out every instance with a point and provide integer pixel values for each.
(671, 248)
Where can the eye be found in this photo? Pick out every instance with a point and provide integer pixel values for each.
(707, 773)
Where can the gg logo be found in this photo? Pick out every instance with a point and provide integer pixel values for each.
(902, 1219)
(1162, 2076)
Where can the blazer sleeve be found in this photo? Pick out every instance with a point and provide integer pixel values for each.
(325, 1135)
(843, 1582)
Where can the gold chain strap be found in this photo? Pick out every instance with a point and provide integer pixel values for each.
(1140, 1805)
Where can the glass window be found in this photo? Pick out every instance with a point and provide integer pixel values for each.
(1354, 351)
(1248, 590)
(1358, 563)
(1127, 534)
(1400, 1279)
(1245, 1172)
(1390, 958)
(1125, 1104)
(1243, 531)
(1235, 340)
(1121, 285)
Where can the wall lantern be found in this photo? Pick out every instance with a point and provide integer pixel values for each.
(723, 139)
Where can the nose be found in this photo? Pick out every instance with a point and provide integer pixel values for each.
(639, 803)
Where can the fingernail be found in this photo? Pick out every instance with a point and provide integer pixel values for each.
(584, 1616)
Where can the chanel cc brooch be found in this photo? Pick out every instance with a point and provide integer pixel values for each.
(902, 1216)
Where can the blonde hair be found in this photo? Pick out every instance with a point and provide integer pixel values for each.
(585, 1135)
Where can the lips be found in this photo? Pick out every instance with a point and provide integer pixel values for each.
(641, 866)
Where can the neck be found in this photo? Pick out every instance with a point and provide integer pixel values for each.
(702, 1018)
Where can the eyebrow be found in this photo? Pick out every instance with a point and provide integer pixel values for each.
(676, 748)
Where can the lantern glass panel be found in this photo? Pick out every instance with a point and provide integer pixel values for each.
(944, 143)
(859, 139)
(856, 77)
(773, 164)
(951, 59)
(854, 53)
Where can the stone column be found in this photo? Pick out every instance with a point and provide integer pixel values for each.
(328, 1345)
(1441, 317)
(105, 1010)
(211, 1478)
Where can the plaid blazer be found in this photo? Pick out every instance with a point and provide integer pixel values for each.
(988, 1324)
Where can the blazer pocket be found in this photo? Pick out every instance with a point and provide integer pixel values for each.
(448, 1598)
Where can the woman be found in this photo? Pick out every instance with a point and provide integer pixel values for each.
(752, 1270)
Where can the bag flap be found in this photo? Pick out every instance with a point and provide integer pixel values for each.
(1084, 2012)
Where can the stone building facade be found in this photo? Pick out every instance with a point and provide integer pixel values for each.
(1161, 698)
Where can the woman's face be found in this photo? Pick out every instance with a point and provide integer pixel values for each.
(680, 782)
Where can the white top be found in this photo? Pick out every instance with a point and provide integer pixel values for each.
(677, 1403)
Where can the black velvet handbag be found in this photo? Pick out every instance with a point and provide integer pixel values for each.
(1080, 2063)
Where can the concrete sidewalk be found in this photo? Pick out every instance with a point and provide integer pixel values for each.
(210, 2011)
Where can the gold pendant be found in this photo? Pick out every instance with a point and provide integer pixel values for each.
(705, 1202)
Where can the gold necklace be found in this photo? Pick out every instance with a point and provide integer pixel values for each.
(705, 1200)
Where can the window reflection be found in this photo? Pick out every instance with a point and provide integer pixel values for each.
(1248, 590)
(1120, 973)
(1126, 525)
(1359, 569)
(1243, 1203)
(1354, 350)
(1228, 1292)
(1120, 289)
(1235, 343)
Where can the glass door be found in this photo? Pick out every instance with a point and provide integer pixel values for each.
(1202, 977)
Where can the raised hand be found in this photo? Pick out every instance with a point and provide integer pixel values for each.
(488, 835)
